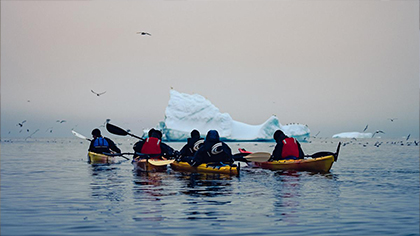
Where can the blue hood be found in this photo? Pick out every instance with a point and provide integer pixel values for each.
(213, 136)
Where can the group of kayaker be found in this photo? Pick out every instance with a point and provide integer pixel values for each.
(197, 150)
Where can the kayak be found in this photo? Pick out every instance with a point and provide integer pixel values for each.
(206, 168)
(319, 164)
(100, 158)
(151, 165)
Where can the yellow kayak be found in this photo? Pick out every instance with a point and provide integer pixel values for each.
(319, 164)
(100, 158)
(206, 168)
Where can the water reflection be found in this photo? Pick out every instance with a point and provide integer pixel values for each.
(106, 182)
(205, 196)
(302, 194)
(204, 184)
(151, 194)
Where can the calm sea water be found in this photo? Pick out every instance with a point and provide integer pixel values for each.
(48, 188)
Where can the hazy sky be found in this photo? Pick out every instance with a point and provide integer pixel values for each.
(333, 65)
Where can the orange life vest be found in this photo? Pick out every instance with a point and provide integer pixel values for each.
(290, 148)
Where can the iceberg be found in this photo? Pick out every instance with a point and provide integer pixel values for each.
(186, 112)
(356, 134)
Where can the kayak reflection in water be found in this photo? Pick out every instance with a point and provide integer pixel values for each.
(193, 144)
(153, 145)
(286, 148)
(213, 150)
(101, 144)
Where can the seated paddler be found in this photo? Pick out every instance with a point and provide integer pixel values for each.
(192, 146)
(286, 147)
(101, 144)
(153, 147)
(213, 151)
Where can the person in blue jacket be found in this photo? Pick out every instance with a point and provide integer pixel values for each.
(212, 151)
(101, 144)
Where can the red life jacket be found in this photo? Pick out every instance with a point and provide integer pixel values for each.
(151, 146)
(290, 148)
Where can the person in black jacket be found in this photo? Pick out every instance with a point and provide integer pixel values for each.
(101, 144)
(286, 148)
(192, 146)
(212, 151)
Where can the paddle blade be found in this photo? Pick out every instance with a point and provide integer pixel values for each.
(258, 156)
(160, 163)
(336, 152)
(79, 135)
(115, 129)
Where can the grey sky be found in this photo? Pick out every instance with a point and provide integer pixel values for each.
(333, 65)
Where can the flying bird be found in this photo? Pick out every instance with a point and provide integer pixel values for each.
(365, 128)
(144, 33)
(21, 123)
(392, 119)
(97, 94)
(61, 121)
(377, 131)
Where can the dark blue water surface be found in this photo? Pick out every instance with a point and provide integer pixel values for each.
(48, 188)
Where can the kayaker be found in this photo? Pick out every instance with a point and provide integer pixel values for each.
(286, 147)
(193, 144)
(101, 144)
(153, 145)
(212, 151)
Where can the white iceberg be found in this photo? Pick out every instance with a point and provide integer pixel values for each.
(356, 134)
(187, 112)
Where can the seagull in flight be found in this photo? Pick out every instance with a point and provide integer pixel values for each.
(144, 33)
(97, 94)
(61, 121)
(377, 131)
(365, 128)
(21, 123)
(392, 119)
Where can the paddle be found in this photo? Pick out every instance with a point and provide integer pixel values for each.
(323, 154)
(119, 155)
(118, 131)
(253, 157)
(80, 136)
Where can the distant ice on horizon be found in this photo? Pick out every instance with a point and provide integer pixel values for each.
(187, 112)
(353, 135)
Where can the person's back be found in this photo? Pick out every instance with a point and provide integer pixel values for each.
(193, 144)
(286, 147)
(101, 144)
(212, 151)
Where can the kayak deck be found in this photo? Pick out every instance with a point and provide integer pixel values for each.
(320, 164)
(100, 158)
(206, 168)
